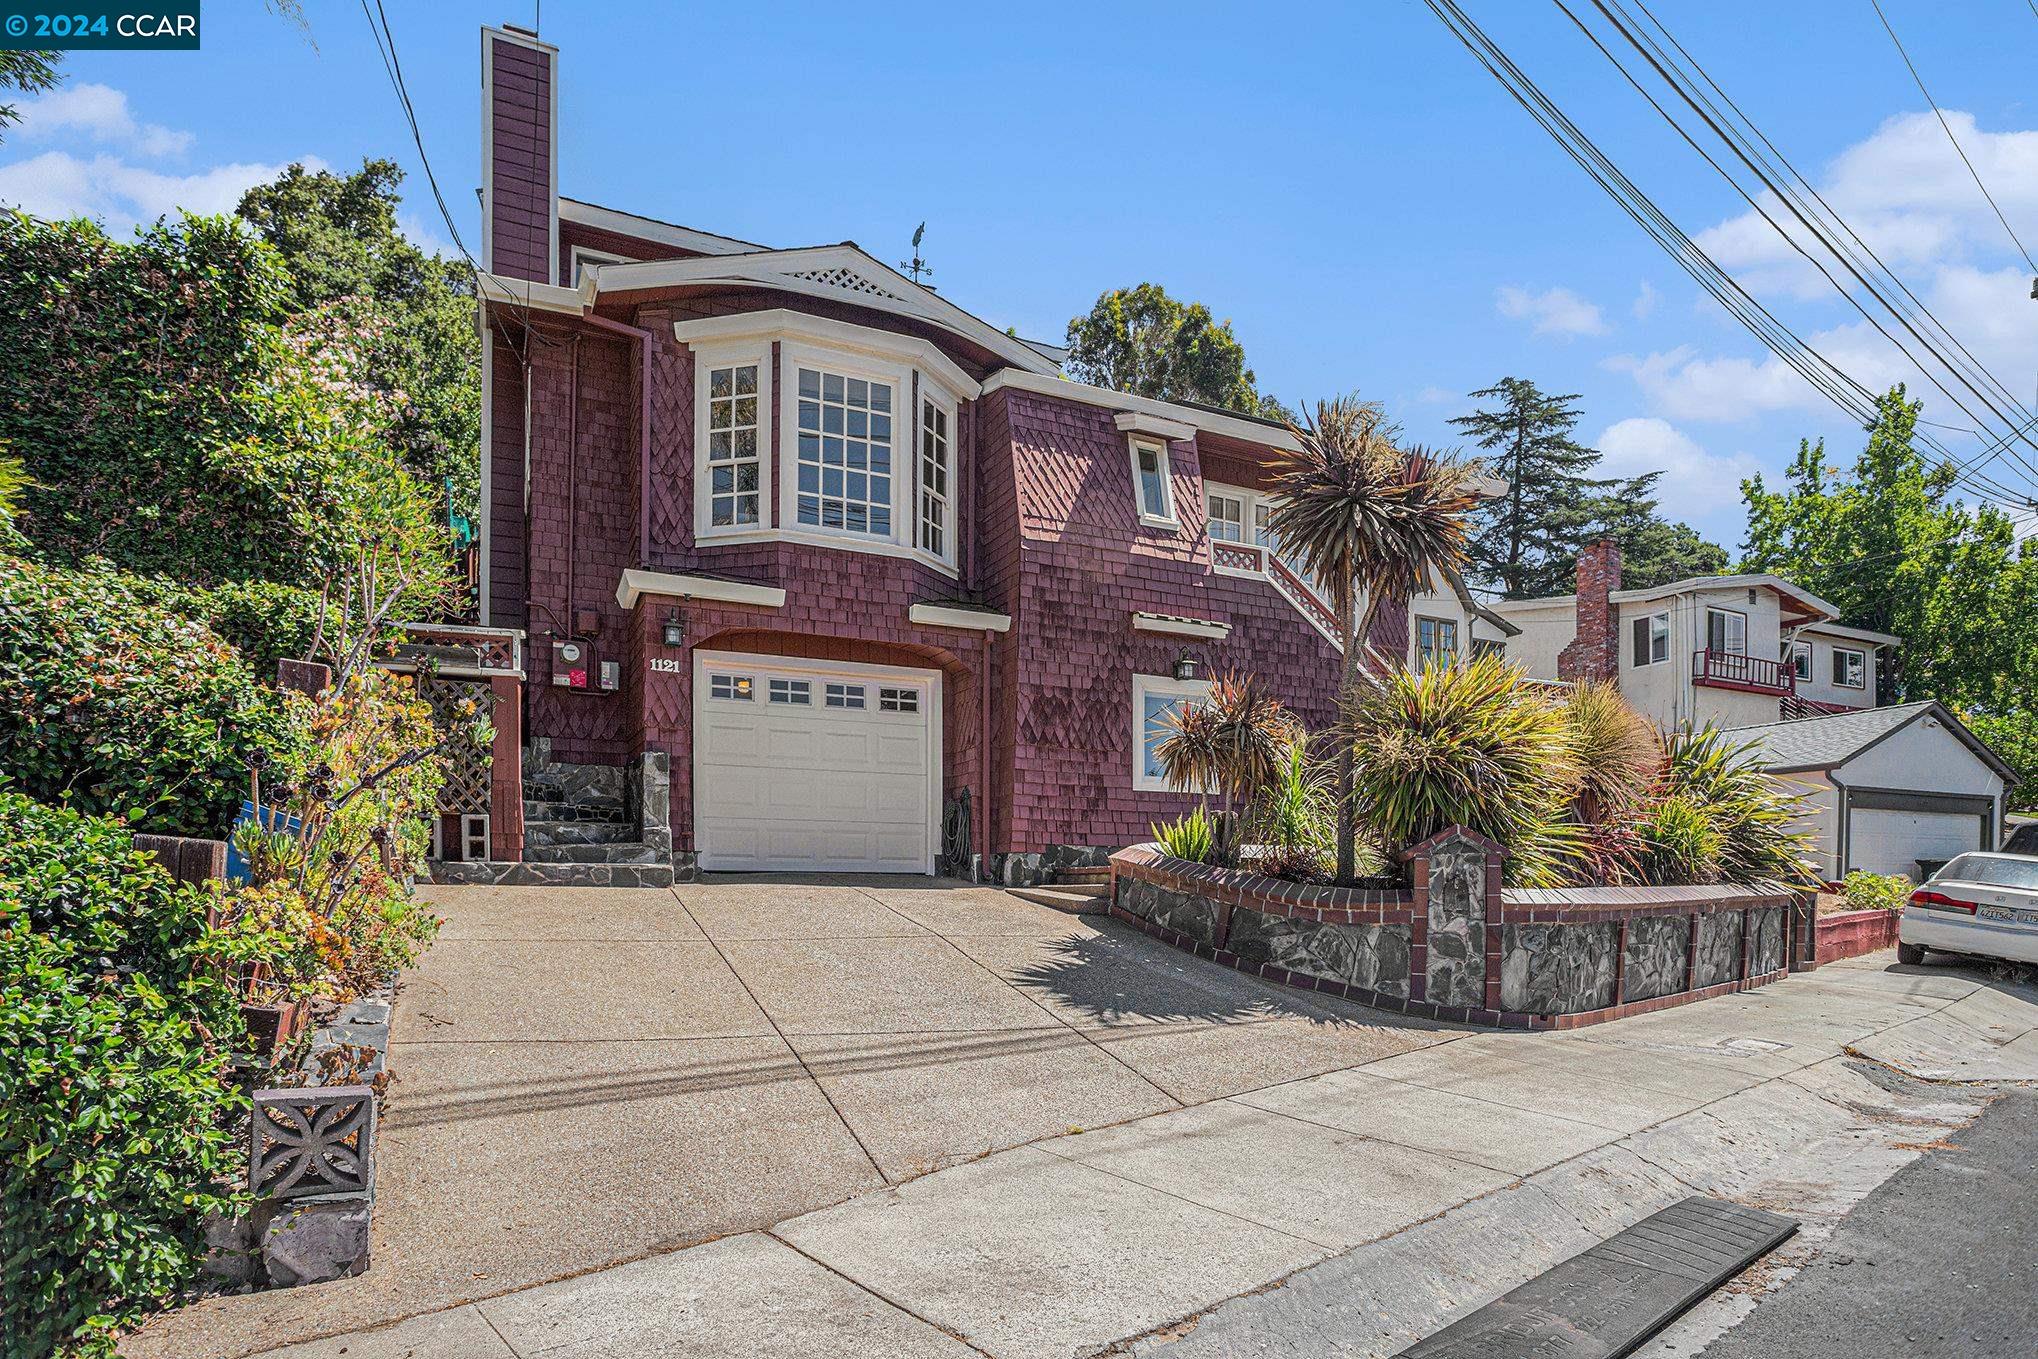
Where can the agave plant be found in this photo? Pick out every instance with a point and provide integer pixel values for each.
(1371, 521)
(1191, 836)
(1757, 818)
(1616, 750)
(1473, 745)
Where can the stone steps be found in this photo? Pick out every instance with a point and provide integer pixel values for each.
(531, 873)
(626, 852)
(1067, 900)
(540, 834)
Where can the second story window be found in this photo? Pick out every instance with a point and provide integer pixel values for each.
(1651, 640)
(1436, 641)
(1801, 661)
(1850, 668)
(934, 468)
(1726, 630)
(734, 462)
(1150, 482)
(845, 453)
(1227, 518)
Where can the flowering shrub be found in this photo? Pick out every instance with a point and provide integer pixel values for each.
(117, 1110)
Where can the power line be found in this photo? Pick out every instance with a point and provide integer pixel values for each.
(1819, 372)
(1948, 129)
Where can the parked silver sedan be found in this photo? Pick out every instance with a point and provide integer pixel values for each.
(1985, 905)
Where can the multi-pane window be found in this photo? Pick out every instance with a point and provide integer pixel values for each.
(1436, 640)
(1651, 639)
(730, 686)
(1150, 470)
(791, 691)
(845, 453)
(843, 696)
(933, 478)
(1227, 518)
(734, 464)
(1801, 661)
(890, 700)
(1726, 630)
(1850, 668)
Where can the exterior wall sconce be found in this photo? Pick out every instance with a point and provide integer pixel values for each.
(1185, 665)
(674, 633)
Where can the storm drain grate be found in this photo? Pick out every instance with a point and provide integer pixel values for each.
(1604, 1303)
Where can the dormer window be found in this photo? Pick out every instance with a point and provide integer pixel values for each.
(1152, 484)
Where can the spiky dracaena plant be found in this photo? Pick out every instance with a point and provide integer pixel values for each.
(1369, 521)
(1473, 745)
(1616, 750)
(1230, 744)
(1757, 816)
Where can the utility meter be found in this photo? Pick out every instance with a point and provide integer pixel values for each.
(570, 664)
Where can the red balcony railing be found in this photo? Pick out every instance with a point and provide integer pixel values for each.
(1728, 670)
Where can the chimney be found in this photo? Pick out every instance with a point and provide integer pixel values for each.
(1594, 653)
(519, 155)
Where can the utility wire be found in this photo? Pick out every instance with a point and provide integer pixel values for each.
(1948, 129)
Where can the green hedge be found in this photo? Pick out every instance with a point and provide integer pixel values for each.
(118, 1118)
(123, 705)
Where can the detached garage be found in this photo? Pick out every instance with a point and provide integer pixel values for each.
(1888, 787)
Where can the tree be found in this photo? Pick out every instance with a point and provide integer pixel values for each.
(1528, 540)
(1889, 547)
(414, 312)
(28, 72)
(1140, 340)
(1654, 550)
(1369, 520)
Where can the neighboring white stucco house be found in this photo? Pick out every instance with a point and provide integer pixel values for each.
(1888, 787)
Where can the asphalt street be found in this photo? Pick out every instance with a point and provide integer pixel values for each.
(1942, 1259)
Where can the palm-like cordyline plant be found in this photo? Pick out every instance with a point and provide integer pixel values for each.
(1372, 521)
(1231, 743)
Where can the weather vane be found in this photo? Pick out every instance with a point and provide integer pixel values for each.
(917, 266)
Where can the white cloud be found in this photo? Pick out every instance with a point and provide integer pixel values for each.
(1694, 483)
(1435, 396)
(1559, 311)
(1645, 301)
(57, 184)
(100, 113)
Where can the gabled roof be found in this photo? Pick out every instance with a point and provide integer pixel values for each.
(842, 272)
(1808, 606)
(1854, 634)
(1818, 743)
(651, 229)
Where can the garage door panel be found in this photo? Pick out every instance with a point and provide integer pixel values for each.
(1883, 841)
(806, 787)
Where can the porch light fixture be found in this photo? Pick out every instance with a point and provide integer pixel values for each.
(674, 633)
(1185, 665)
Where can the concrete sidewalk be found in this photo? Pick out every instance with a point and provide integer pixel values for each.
(1348, 1212)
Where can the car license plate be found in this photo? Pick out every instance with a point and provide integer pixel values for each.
(2008, 913)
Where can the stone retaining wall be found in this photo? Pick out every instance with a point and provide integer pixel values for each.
(1460, 947)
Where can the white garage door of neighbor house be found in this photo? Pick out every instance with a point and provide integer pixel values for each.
(814, 768)
(1892, 842)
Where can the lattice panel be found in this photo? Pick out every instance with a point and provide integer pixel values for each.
(469, 767)
(319, 1140)
(846, 279)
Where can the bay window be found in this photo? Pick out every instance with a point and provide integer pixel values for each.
(734, 462)
(845, 453)
(934, 477)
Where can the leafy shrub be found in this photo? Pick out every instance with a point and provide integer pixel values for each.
(122, 705)
(1877, 891)
(1192, 837)
(1756, 818)
(1614, 747)
(1680, 843)
(1473, 745)
(117, 1111)
(262, 620)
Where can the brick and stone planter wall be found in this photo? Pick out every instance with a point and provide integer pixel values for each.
(1458, 946)
(1849, 934)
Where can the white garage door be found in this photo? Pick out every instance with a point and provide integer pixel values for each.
(1893, 842)
(802, 768)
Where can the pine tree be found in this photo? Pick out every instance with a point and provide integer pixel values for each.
(1654, 550)
(1528, 539)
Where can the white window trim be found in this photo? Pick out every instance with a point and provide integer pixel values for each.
(900, 380)
(706, 359)
(934, 394)
(1245, 502)
(580, 256)
(1860, 654)
(1143, 687)
(1167, 519)
(1638, 661)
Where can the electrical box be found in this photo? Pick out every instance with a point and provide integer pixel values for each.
(571, 662)
(611, 675)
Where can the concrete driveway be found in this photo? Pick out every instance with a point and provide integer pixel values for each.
(589, 1076)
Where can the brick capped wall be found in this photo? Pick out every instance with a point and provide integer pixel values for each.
(1594, 653)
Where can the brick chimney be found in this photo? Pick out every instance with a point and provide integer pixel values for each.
(519, 155)
(1594, 653)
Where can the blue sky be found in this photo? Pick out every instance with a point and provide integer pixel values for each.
(1364, 203)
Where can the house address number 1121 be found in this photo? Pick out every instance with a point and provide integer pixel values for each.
(667, 665)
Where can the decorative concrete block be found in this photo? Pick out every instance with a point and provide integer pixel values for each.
(315, 1141)
(317, 1241)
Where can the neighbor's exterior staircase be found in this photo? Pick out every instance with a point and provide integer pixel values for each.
(1078, 891)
